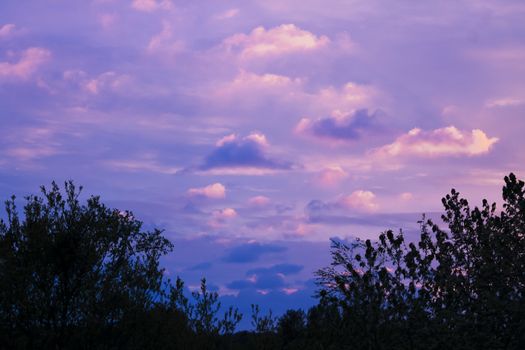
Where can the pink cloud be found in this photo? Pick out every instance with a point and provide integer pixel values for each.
(447, 141)
(330, 176)
(251, 90)
(107, 20)
(29, 62)
(221, 216)
(290, 291)
(360, 200)
(7, 30)
(406, 196)
(259, 201)
(505, 102)
(284, 39)
(228, 14)
(105, 82)
(227, 213)
(164, 43)
(216, 191)
(151, 5)
(248, 84)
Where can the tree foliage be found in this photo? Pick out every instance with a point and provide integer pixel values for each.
(460, 287)
(78, 275)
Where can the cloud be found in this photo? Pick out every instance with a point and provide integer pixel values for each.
(25, 145)
(262, 282)
(259, 201)
(360, 200)
(339, 126)
(107, 20)
(29, 62)
(228, 14)
(267, 278)
(164, 43)
(7, 30)
(251, 252)
(406, 196)
(447, 141)
(246, 155)
(201, 267)
(251, 87)
(284, 39)
(285, 269)
(151, 5)
(250, 91)
(505, 102)
(221, 216)
(330, 176)
(216, 191)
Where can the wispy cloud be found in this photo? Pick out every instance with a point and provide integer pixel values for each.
(29, 61)
(151, 5)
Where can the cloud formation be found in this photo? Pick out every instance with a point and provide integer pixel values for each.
(330, 176)
(267, 278)
(338, 126)
(164, 43)
(7, 30)
(251, 252)
(448, 141)
(246, 155)
(151, 5)
(216, 191)
(259, 201)
(359, 201)
(30, 60)
(284, 39)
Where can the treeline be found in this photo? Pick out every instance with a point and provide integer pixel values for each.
(84, 276)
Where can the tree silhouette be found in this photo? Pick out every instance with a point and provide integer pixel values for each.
(461, 287)
(85, 276)
(72, 273)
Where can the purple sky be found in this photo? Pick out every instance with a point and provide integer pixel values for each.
(253, 131)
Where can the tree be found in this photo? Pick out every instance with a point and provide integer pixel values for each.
(461, 287)
(75, 274)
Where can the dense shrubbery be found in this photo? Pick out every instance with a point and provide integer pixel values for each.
(86, 276)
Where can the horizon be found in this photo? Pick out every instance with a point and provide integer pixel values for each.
(256, 131)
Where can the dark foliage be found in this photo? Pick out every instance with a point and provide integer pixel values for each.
(85, 276)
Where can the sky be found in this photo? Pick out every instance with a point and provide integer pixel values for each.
(253, 132)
